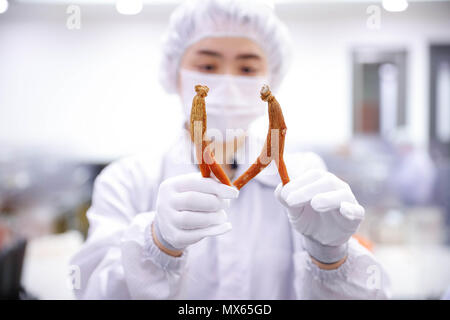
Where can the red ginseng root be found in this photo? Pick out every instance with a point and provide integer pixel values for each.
(204, 154)
(273, 148)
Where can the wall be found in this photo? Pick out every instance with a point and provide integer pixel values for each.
(324, 37)
(93, 93)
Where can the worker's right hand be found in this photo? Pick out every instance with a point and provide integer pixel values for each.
(190, 208)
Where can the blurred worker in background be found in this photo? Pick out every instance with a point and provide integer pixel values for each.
(161, 230)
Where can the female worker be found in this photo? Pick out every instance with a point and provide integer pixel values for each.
(161, 230)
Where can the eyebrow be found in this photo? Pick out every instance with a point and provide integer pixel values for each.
(210, 53)
(243, 56)
(246, 56)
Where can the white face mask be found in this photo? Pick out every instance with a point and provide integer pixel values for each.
(233, 102)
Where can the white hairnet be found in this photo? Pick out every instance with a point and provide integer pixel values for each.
(194, 20)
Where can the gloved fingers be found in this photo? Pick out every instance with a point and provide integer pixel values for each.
(293, 216)
(277, 191)
(195, 182)
(189, 220)
(352, 211)
(306, 193)
(192, 236)
(327, 201)
(305, 179)
(216, 230)
(198, 201)
(277, 194)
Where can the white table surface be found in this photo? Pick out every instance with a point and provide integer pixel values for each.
(416, 272)
(46, 267)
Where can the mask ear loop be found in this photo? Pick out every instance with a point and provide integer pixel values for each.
(272, 150)
(205, 156)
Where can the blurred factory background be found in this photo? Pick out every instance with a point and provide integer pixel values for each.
(369, 90)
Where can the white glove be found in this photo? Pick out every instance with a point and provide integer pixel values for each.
(189, 208)
(324, 210)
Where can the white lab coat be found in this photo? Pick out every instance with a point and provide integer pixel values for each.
(260, 258)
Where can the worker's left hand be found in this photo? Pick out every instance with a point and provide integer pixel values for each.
(322, 208)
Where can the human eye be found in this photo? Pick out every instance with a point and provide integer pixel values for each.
(248, 70)
(207, 67)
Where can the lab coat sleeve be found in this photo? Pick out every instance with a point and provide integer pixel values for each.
(119, 259)
(360, 277)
